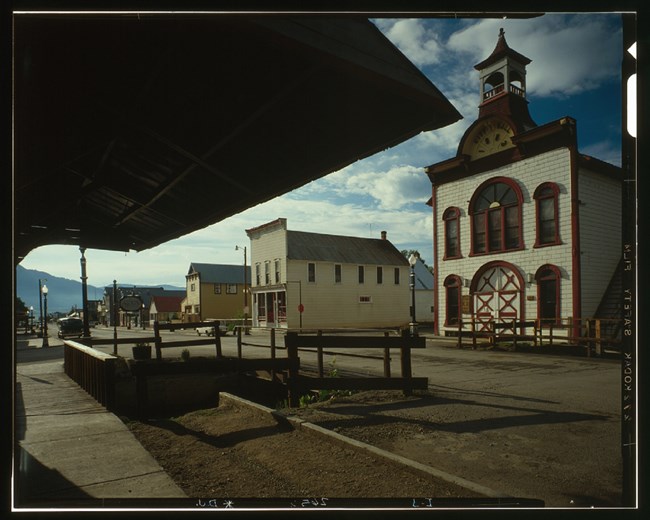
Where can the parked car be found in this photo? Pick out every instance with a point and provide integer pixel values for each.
(209, 329)
(71, 328)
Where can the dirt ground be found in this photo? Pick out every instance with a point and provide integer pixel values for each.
(237, 451)
(233, 451)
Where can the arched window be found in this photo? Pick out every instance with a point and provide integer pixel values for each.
(495, 211)
(451, 218)
(546, 212)
(453, 286)
(548, 293)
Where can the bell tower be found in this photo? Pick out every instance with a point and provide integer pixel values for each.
(503, 85)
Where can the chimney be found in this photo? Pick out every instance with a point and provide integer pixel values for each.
(383, 235)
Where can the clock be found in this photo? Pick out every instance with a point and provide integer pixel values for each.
(490, 137)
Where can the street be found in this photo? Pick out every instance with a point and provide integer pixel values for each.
(535, 425)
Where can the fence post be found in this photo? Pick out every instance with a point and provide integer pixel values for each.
(217, 339)
(514, 333)
(460, 333)
(157, 340)
(386, 359)
(273, 351)
(473, 334)
(292, 355)
(239, 342)
(406, 362)
(321, 371)
(599, 344)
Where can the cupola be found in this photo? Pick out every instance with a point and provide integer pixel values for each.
(503, 85)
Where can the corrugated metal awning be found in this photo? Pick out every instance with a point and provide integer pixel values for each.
(133, 130)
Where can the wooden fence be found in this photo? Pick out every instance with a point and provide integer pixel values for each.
(592, 334)
(92, 370)
(299, 384)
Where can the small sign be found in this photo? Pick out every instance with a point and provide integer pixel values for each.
(464, 304)
(131, 303)
(301, 308)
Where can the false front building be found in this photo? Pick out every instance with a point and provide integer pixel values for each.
(215, 291)
(313, 280)
(525, 227)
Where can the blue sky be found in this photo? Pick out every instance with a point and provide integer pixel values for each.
(575, 71)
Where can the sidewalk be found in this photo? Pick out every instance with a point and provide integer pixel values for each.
(71, 452)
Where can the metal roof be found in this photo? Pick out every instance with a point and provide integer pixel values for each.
(130, 130)
(220, 273)
(319, 247)
(423, 277)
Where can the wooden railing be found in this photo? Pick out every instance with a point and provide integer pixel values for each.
(589, 333)
(160, 344)
(299, 384)
(92, 370)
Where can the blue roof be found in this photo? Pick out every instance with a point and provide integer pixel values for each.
(423, 277)
(220, 273)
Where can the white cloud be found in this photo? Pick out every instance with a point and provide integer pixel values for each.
(388, 191)
(570, 54)
(415, 40)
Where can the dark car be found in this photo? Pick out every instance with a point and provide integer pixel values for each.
(71, 328)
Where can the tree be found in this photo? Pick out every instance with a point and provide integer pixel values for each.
(408, 252)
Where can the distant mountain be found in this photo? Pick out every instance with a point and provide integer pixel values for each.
(63, 293)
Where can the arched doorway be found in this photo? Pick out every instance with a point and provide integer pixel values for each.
(497, 295)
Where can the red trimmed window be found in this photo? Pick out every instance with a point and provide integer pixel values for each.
(546, 213)
(453, 293)
(495, 211)
(548, 293)
(451, 218)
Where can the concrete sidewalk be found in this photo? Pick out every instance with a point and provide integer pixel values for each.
(71, 452)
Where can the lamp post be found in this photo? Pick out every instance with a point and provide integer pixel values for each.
(31, 319)
(413, 325)
(45, 340)
(40, 304)
(237, 248)
(84, 292)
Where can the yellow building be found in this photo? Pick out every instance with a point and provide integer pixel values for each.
(215, 291)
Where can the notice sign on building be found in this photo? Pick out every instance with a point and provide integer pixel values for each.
(464, 303)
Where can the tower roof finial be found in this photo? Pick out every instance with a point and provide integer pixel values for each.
(502, 33)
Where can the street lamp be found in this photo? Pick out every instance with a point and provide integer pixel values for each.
(84, 292)
(413, 325)
(40, 304)
(45, 341)
(237, 248)
(31, 319)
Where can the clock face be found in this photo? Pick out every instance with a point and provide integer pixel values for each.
(490, 137)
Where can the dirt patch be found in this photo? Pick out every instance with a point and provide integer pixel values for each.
(235, 451)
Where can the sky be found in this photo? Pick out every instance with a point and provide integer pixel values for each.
(575, 71)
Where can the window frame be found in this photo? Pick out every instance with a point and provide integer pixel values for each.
(539, 197)
(338, 273)
(541, 277)
(311, 272)
(487, 215)
(362, 274)
(453, 283)
(451, 217)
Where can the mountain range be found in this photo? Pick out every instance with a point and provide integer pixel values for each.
(63, 294)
